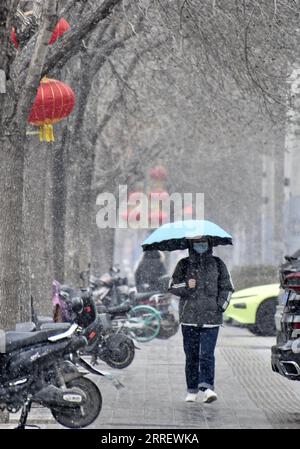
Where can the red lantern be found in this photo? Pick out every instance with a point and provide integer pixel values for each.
(159, 195)
(188, 211)
(125, 214)
(131, 214)
(135, 196)
(61, 28)
(158, 173)
(53, 102)
(158, 217)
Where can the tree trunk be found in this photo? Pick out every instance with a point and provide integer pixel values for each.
(13, 287)
(58, 198)
(34, 224)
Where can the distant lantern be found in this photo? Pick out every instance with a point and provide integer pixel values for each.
(54, 101)
(135, 196)
(158, 173)
(188, 211)
(125, 214)
(61, 28)
(159, 195)
(131, 214)
(159, 217)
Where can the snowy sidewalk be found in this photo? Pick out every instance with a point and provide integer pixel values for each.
(250, 395)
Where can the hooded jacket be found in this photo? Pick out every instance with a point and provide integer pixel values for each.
(205, 303)
(149, 270)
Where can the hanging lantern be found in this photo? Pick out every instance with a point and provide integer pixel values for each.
(188, 211)
(125, 214)
(159, 217)
(61, 28)
(135, 196)
(158, 195)
(53, 102)
(131, 214)
(158, 173)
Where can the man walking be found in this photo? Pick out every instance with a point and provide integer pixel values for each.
(204, 285)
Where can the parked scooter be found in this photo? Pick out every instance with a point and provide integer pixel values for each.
(114, 348)
(114, 297)
(111, 288)
(41, 367)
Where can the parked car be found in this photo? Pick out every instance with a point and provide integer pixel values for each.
(254, 308)
(286, 353)
(285, 269)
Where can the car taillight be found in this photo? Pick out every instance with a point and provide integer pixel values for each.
(292, 281)
(296, 288)
(296, 325)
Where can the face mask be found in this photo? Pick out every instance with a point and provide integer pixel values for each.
(200, 247)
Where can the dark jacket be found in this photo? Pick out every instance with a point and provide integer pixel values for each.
(206, 303)
(149, 270)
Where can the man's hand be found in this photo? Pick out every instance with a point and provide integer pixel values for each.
(192, 283)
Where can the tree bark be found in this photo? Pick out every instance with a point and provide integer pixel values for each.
(14, 287)
(35, 175)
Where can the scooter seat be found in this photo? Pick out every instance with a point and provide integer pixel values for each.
(118, 310)
(25, 327)
(144, 295)
(18, 340)
(56, 326)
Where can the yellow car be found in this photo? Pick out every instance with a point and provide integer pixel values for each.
(255, 308)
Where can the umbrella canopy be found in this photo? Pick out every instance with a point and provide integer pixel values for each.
(174, 236)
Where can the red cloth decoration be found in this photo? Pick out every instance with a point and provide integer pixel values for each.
(61, 28)
(13, 37)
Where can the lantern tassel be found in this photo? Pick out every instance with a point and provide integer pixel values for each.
(46, 133)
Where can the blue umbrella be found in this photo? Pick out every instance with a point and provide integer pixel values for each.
(174, 236)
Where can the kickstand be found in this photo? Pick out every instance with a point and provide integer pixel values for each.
(24, 415)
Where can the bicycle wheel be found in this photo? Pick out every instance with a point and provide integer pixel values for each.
(148, 322)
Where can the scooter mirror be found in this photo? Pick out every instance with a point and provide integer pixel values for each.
(77, 305)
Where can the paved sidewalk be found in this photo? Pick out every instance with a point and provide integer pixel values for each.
(250, 395)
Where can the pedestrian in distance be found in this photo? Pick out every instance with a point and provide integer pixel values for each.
(150, 269)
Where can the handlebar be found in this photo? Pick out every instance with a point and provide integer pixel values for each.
(114, 269)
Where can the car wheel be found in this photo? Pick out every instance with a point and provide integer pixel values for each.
(265, 321)
(253, 329)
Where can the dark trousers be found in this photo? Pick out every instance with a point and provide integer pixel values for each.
(199, 346)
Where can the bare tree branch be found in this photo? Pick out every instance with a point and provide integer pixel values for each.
(67, 46)
(36, 63)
